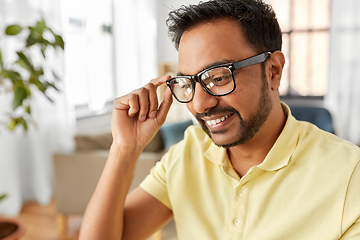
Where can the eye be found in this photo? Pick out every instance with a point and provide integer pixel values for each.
(186, 86)
(184, 83)
(220, 80)
(217, 77)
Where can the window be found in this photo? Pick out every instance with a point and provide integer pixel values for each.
(89, 65)
(305, 25)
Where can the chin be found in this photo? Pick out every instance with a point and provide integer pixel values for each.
(228, 142)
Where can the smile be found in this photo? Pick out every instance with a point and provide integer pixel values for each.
(216, 121)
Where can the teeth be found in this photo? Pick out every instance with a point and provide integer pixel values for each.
(216, 121)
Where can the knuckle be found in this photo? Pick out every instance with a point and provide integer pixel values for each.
(116, 101)
(120, 102)
(133, 97)
(153, 81)
(150, 86)
(143, 91)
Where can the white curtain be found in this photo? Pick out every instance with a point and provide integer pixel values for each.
(135, 34)
(343, 98)
(25, 158)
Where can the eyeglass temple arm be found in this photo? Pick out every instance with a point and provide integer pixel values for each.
(252, 60)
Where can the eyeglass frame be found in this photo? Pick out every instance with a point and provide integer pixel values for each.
(259, 58)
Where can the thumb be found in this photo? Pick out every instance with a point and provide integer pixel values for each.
(165, 106)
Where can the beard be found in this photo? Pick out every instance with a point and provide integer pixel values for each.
(248, 128)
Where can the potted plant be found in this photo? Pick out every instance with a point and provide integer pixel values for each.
(10, 228)
(21, 76)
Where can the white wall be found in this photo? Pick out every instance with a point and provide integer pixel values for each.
(166, 52)
(166, 49)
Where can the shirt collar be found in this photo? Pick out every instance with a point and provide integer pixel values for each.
(216, 154)
(278, 156)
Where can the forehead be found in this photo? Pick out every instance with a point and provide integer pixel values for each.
(211, 43)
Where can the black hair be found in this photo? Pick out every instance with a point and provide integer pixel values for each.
(256, 19)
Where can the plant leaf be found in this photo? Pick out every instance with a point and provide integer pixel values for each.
(54, 87)
(39, 85)
(57, 78)
(2, 196)
(43, 48)
(13, 30)
(59, 41)
(48, 84)
(15, 77)
(27, 109)
(24, 62)
(1, 61)
(12, 124)
(52, 101)
(34, 78)
(17, 121)
(20, 95)
(44, 42)
(41, 25)
(31, 40)
(38, 29)
(23, 122)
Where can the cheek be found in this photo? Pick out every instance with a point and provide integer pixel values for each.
(245, 95)
(249, 85)
(189, 106)
(245, 99)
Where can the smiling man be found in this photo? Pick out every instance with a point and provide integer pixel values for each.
(220, 117)
(251, 171)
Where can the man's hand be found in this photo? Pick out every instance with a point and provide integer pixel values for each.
(137, 116)
(135, 119)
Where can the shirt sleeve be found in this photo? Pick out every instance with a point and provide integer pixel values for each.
(156, 182)
(351, 215)
(353, 232)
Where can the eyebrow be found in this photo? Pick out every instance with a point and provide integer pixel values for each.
(217, 63)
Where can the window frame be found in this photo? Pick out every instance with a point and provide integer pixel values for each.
(289, 96)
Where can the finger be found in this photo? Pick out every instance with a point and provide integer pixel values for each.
(165, 106)
(134, 105)
(153, 100)
(144, 102)
(160, 80)
(118, 104)
(154, 104)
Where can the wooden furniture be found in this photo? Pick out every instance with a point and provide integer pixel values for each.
(77, 173)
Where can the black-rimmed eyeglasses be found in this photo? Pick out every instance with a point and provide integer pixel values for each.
(217, 80)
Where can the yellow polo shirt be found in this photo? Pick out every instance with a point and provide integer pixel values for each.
(307, 188)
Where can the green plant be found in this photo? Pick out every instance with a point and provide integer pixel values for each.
(19, 76)
(3, 196)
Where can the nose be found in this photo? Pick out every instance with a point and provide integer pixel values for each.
(202, 100)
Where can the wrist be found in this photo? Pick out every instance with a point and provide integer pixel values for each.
(125, 150)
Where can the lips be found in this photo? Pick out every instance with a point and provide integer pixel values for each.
(216, 121)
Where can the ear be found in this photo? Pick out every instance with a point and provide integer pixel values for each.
(275, 68)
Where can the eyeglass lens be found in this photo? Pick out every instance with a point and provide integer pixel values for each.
(218, 81)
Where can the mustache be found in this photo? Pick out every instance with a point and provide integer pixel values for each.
(216, 111)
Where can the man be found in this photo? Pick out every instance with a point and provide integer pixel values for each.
(252, 172)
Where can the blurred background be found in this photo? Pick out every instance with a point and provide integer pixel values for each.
(115, 46)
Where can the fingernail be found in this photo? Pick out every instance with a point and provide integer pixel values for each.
(142, 118)
(152, 114)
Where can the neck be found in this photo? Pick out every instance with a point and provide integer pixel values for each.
(252, 153)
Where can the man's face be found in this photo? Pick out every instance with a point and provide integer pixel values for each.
(235, 118)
